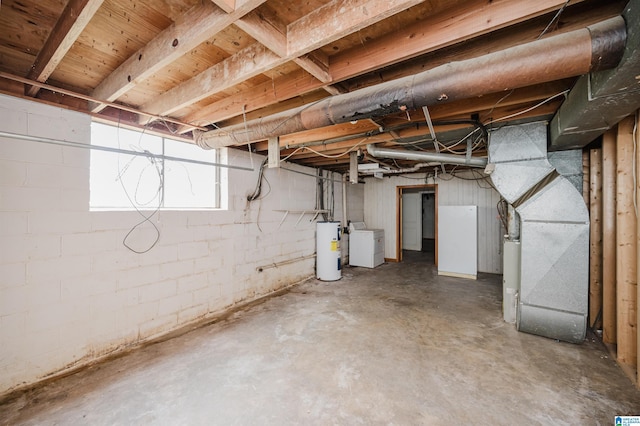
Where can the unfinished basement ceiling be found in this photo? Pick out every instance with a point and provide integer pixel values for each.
(218, 63)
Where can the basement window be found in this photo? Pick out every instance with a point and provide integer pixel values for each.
(137, 170)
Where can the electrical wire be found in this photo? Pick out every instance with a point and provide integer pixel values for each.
(146, 218)
(539, 104)
(555, 18)
(337, 155)
(290, 155)
(258, 190)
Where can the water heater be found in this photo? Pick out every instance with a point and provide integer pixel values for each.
(328, 263)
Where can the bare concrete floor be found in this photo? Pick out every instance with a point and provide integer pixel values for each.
(394, 345)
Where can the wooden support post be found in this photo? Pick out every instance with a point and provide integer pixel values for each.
(586, 187)
(609, 236)
(626, 278)
(595, 240)
(637, 159)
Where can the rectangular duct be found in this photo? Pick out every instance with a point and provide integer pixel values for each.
(554, 232)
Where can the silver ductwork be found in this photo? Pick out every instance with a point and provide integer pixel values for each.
(403, 154)
(554, 233)
(574, 53)
(599, 100)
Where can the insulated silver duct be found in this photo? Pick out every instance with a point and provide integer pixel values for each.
(599, 100)
(562, 56)
(425, 156)
(599, 46)
(554, 233)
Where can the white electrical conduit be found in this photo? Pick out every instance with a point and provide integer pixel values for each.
(116, 150)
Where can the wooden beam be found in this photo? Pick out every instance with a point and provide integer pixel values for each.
(609, 236)
(74, 18)
(226, 5)
(626, 238)
(418, 35)
(586, 167)
(268, 29)
(249, 62)
(268, 93)
(337, 19)
(595, 239)
(461, 22)
(637, 189)
(196, 26)
(333, 28)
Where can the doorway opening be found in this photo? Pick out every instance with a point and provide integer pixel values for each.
(417, 221)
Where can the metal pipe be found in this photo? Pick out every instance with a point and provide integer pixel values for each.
(147, 154)
(92, 99)
(567, 55)
(425, 156)
(344, 201)
(413, 169)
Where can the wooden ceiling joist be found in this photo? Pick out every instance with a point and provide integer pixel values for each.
(226, 5)
(395, 47)
(334, 27)
(337, 19)
(459, 23)
(247, 63)
(74, 19)
(270, 31)
(199, 24)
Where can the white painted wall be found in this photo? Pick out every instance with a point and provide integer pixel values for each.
(70, 292)
(355, 202)
(380, 212)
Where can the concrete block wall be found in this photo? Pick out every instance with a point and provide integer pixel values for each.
(70, 292)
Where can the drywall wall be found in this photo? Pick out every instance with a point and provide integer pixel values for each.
(380, 194)
(70, 292)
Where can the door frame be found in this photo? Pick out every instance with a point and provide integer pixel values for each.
(399, 192)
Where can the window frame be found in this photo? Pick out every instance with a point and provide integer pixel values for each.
(165, 160)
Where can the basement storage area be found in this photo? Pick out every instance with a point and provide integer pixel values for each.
(327, 212)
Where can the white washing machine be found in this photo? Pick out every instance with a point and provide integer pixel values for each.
(366, 246)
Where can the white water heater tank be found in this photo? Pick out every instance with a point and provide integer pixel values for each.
(328, 262)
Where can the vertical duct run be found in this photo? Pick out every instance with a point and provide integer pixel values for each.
(554, 233)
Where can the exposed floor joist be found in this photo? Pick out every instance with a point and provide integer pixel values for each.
(319, 28)
(193, 28)
(392, 48)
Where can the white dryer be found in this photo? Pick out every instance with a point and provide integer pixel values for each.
(366, 246)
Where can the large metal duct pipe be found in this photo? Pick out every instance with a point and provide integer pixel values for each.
(599, 46)
(599, 100)
(554, 233)
(402, 154)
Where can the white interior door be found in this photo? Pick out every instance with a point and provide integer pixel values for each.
(412, 222)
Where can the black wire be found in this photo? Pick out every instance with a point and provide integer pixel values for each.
(146, 218)
(258, 190)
